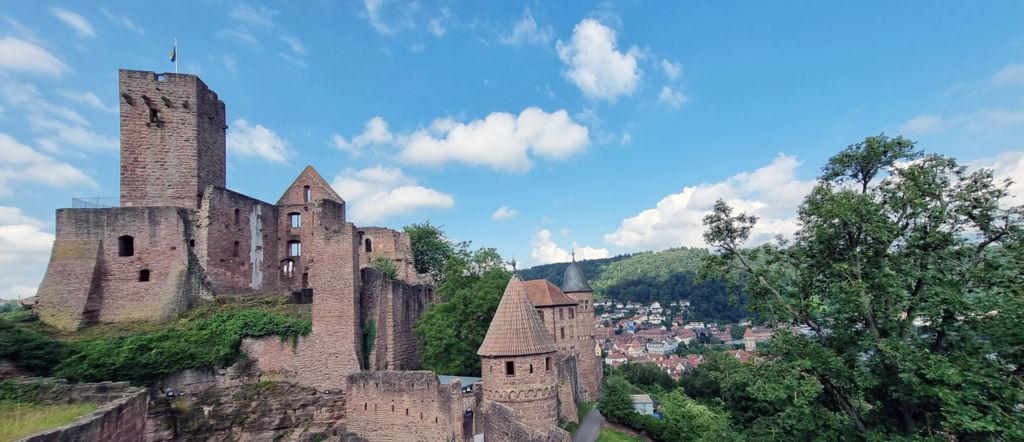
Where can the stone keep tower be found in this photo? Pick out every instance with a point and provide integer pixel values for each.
(575, 286)
(172, 139)
(518, 361)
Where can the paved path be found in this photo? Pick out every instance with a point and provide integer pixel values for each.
(590, 427)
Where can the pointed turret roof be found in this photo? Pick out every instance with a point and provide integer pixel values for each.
(309, 176)
(516, 329)
(574, 279)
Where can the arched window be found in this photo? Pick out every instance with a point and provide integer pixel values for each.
(307, 193)
(125, 246)
(143, 275)
(369, 245)
(294, 248)
(234, 250)
(287, 268)
(295, 218)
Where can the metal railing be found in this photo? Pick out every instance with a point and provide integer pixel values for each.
(95, 203)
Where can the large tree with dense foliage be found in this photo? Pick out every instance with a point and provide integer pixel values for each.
(431, 248)
(453, 329)
(907, 268)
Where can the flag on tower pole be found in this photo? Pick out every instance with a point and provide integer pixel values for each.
(174, 55)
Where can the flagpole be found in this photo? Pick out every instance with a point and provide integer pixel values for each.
(175, 55)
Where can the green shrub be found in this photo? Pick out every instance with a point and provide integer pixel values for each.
(386, 266)
(28, 350)
(205, 343)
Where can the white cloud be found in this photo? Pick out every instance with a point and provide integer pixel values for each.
(501, 140)
(373, 14)
(123, 21)
(672, 70)
(544, 250)
(22, 164)
(595, 65)
(75, 21)
(89, 99)
(376, 193)
(58, 126)
(504, 213)
(978, 121)
(1008, 165)
(526, 31)
(294, 43)
(773, 193)
(375, 133)
(436, 25)
(671, 98)
(24, 253)
(20, 55)
(1012, 74)
(257, 141)
(257, 16)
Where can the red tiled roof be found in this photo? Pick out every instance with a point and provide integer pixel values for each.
(516, 330)
(543, 293)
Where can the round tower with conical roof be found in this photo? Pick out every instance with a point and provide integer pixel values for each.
(517, 360)
(575, 286)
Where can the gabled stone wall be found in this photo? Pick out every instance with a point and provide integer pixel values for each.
(400, 406)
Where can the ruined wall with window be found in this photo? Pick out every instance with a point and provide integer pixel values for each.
(385, 406)
(294, 221)
(392, 307)
(396, 246)
(121, 265)
(236, 242)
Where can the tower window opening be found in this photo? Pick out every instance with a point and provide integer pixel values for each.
(238, 216)
(531, 368)
(234, 250)
(510, 368)
(547, 363)
(143, 275)
(287, 268)
(561, 314)
(562, 330)
(125, 245)
(296, 219)
(154, 115)
(541, 313)
(572, 313)
(294, 248)
(307, 193)
(369, 245)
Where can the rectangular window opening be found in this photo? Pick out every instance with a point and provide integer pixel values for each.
(510, 368)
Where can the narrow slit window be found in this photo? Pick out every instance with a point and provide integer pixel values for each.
(510, 368)
(154, 115)
(125, 245)
(547, 363)
(572, 313)
(561, 314)
(531, 368)
(562, 330)
(307, 193)
(238, 216)
(143, 275)
(234, 250)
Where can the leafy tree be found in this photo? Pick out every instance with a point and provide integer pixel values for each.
(685, 419)
(453, 329)
(614, 402)
(431, 248)
(386, 266)
(29, 350)
(737, 331)
(907, 269)
(646, 373)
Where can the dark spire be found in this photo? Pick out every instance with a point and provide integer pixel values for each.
(574, 279)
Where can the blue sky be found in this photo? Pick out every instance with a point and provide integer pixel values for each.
(531, 127)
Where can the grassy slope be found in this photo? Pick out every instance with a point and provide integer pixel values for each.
(20, 420)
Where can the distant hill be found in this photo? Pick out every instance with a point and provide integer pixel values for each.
(666, 276)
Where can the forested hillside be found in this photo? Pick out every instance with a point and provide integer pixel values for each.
(665, 276)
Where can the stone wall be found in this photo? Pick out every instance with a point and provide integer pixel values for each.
(399, 406)
(88, 280)
(394, 307)
(588, 360)
(237, 242)
(383, 242)
(121, 416)
(172, 139)
(501, 425)
(568, 389)
(237, 403)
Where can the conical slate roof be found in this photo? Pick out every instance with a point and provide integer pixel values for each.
(516, 329)
(574, 279)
